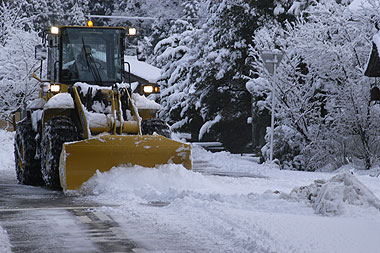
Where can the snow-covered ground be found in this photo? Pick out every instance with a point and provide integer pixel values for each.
(6, 169)
(271, 212)
(264, 209)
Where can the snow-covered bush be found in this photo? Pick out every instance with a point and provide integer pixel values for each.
(332, 197)
(287, 147)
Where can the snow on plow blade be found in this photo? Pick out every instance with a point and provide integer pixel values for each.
(80, 160)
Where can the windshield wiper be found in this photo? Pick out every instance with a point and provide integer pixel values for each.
(91, 65)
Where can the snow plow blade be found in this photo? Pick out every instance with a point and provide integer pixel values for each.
(80, 160)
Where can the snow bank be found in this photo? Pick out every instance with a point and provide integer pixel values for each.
(5, 245)
(61, 100)
(228, 214)
(7, 162)
(334, 196)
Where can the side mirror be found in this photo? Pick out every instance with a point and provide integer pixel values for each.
(40, 52)
(140, 55)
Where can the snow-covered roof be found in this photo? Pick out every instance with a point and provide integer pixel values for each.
(376, 40)
(143, 69)
(372, 69)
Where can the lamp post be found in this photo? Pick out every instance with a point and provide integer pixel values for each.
(271, 60)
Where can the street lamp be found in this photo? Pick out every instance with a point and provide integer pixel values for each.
(271, 60)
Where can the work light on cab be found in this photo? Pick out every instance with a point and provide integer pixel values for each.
(55, 88)
(148, 89)
(132, 31)
(54, 30)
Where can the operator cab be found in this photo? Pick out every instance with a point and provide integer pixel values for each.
(91, 55)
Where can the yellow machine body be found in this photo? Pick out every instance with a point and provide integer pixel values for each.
(115, 139)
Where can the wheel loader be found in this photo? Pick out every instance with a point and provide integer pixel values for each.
(87, 118)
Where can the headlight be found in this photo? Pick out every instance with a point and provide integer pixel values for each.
(54, 30)
(132, 31)
(148, 89)
(55, 88)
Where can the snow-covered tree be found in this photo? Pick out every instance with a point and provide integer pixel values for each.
(17, 86)
(100, 7)
(77, 9)
(44, 14)
(209, 69)
(322, 95)
(176, 55)
(160, 15)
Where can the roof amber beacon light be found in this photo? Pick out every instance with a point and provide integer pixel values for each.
(90, 23)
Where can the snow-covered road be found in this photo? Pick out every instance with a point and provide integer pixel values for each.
(232, 214)
(170, 209)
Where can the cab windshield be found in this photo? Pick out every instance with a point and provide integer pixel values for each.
(91, 55)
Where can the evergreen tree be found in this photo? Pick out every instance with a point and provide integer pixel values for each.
(98, 7)
(210, 71)
(160, 15)
(177, 54)
(44, 14)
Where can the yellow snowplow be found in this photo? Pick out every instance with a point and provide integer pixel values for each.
(110, 150)
(87, 118)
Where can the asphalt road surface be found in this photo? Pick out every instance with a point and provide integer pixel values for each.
(41, 220)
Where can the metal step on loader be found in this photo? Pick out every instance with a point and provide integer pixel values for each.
(86, 117)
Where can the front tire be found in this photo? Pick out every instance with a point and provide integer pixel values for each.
(56, 132)
(27, 166)
(151, 126)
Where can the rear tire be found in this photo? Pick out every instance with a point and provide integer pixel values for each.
(151, 126)
(27, 166)
(56, 132)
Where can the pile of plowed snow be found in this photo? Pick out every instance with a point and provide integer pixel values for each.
(5, 245)
(164, 183)
(333, 196)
